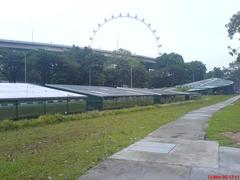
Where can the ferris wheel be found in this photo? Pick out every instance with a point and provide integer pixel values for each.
(136, 18)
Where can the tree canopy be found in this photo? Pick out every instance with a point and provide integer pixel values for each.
(87, 67)
(234, 25)
(167, 60)
(215, 73)
(233, 28)
(171, 70)
(11, 65)
(45, 65)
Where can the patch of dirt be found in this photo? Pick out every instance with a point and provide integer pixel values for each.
(233, 136)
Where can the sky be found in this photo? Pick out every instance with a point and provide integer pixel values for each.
(194, 29)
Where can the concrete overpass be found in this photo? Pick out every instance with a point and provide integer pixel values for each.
(24, 45)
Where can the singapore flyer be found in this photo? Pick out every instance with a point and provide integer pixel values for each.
(142, 30)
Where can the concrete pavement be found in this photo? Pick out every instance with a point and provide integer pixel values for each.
(174, 151)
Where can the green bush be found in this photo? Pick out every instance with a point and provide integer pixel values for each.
(50, 119)
(7, 124)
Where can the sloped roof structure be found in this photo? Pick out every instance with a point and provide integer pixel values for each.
(100, 91)
(207, 84)
(160, 91)
(30, 91)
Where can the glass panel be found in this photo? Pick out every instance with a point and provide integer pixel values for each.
(127, 102)
(30, 109)
(53, 107)
(7, 110)
(76, 105)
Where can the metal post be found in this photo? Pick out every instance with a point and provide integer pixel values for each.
(67, 110)
(90, 77)
(16, 104)
(32, 30)
(32, 34)
(131, 78)
(193, 78)
(25, 67)
(44, 107)
(117, 41)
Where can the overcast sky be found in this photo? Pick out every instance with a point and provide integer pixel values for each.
(193, 28)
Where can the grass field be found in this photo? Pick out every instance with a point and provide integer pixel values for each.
(224, 125)
(67, 149)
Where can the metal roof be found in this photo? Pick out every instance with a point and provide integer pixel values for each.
(139, 90)
(30, 91)
(168, 91)
(207, 84)
(162, 91)
(100, 91)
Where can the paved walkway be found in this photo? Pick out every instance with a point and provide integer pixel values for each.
(176, 151)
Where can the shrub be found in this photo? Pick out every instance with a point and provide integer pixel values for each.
(7, 124)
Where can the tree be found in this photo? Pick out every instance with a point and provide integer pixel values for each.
(233, 28)
(122, 52)
(120, 68)
(68, 73)
(215, 73)
(167, 77)
(196, 71)
(12, 65)
(169, 71)
(45, 65)
(166, 60)
(91, 65)
(111, 77)
(140, 76)
(234, 74)
(234, 25)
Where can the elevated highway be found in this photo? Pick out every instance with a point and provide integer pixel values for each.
(25, 45)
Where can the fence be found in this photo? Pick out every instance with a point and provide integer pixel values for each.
(16, 109)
